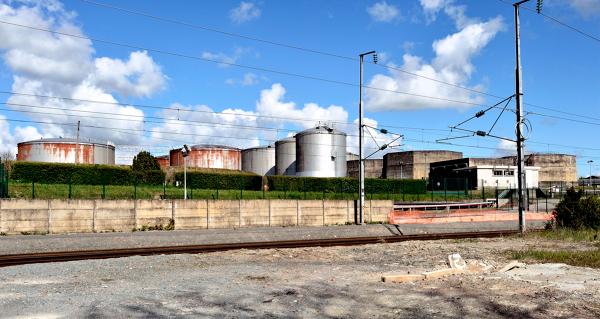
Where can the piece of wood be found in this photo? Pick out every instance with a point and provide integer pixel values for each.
(442, 273)
(402, 278)
(511, 265)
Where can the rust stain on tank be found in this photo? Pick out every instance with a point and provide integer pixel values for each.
(207, 157)
(23, 152)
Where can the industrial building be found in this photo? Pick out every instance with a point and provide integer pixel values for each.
(373, 168)
(555, 169)
(285, 157)
(259, 160)
(163, 161)
(475, 173)
(66, 150)
(321, 152)
(208, 156)
(414, 164)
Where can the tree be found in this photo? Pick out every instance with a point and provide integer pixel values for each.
(144, 162)
(7, 158)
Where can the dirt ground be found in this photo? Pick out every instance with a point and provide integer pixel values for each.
(334, 282)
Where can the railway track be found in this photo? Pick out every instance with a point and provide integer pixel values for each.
(46, 257)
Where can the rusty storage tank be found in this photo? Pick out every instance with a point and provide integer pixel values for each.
(66, 150)
(285, 157)
(321, 152)
(259, 160)
(208, 156)
(163, 161)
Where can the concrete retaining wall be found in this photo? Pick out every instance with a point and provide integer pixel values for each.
(77, 216)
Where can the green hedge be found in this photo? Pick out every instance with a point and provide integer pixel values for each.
(83, 174)
(345, 185)
(211, 180)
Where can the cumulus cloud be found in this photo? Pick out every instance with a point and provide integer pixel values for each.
(383, 12)
(244, 12)
(451, 64)
(372, 141)
(138, 76)
(47, 64)
(249, 79)
(225, 59)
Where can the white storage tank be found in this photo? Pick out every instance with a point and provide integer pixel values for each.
(321, 152)
(259, 160)
(285, 157)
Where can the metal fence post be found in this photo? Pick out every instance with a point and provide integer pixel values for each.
(134, 190)
(32, 190)
(69, 187)
(103, 191)
(164, 190)
(482, 190)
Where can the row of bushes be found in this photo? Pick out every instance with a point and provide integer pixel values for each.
(57, 173)
(215, 180)
(577, 211)
(345, 185)
(54, 173)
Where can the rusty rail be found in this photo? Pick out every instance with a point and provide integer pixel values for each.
(61, 256)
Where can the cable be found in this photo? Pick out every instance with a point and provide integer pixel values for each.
(181, 55)
(289, 46)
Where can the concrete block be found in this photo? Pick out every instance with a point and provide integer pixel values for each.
(254, 213)
(379, 210)
(114, 215)
(311, 212)
(442, 273)
(8, 204)
(190, 214)
(336, 212)
(223, 213)
(71, 216)
(153, 212)
(284, 212)
(19, 215)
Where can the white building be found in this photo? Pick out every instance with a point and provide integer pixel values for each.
(502, 176)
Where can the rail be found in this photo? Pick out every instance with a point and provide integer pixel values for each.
(61, 256)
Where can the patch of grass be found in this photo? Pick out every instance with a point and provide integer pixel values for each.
(168, 227)
(567, 234)
(2, 234)
(574, 258)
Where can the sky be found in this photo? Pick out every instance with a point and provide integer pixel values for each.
(249, 73)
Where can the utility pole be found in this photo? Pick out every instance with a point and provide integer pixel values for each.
(519, 112)
(590, 162)
(522, 185)
(361, 169)
(77, 146)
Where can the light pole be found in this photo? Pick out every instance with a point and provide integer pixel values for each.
(401, 175)
(361, 169)
(590, 162)
(185, 152)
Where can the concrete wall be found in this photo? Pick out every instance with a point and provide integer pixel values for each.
(414, 164)
(77, 216)
(373, 168)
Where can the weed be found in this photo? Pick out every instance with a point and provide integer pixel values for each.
(574, 258)
(2, 234)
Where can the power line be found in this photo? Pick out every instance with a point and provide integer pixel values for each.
(182, 55)
(289, 46)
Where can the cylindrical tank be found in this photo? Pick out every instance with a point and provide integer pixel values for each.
(163, 160)
(321, 152)
(66, 150)
(208, 156)
(285, 157)
(259, 160)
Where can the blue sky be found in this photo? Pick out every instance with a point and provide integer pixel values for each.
(465, 43)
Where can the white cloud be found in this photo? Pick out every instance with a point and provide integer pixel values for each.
(383, 12)
(451, 64)
(245, 12)
(372, 141)
(138, 76)
(587, 8)
(506, 148)
(225, 59)
(42, 63)
(249, 79)
(272, 104)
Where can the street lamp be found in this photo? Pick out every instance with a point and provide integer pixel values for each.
(361, 170)
(185, 152)
(590, 162)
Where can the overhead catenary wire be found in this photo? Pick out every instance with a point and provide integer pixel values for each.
(256, 68)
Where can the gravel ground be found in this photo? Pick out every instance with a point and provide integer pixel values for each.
(334, 282)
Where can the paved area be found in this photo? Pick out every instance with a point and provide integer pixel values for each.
(331, 282)
(44, 243)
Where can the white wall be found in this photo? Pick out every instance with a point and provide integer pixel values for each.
(485, 176)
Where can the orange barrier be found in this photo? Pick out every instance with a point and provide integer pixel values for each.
(461, 216)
